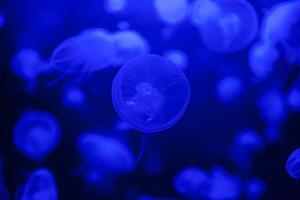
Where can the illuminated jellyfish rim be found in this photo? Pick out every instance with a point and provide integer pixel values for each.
(117, 102)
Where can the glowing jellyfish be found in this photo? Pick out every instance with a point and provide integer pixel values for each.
(2, 20)
(150, 93)
(41, 185)
(106, 154)
(114, 6)
(255, 189)
(36, 134)
(28, 65)
(178, 57)
(293, 164)
(171, 12)
(73, 97)
(229, 88)
(90, 51)
(129, 44)
(273, 133)
(225, 26)
(192, 182)
(293, 99)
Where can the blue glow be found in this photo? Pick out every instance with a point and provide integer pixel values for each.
(293, 99)
(229, 89)
(114, 6)
(293, 164)
(73, 97)
(255, 189)
(2, 20)
(40, 185)
(36, 134)
(177, 57)
(146, 103)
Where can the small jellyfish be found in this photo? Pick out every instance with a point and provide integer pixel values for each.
(293, 99)
(178, 57)
(122, 126)
(225, 26)
(73, 97)
(90, 51)
(150, 93)
(129, 44)
(293, 164)
(229, 89)
(106, 154)
(41, 185)
(123, 25)
(171, 12)
(114, 6)
(273, 133)
(192, 182)
(36, 134)
(255, 188)
(2, 20)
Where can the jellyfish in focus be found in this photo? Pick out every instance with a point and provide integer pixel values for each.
(171, 12)
(255, 188)
(150, 93)
(40, 185)
(192, 183)
(36, 134)
(90, 51)
(107, 155)
(2, 20)
(129, 44)
(177, 57)
(73, 97)
(29, 65)
(293, 164)
(225, 26)
(114, 6)
(229, 89)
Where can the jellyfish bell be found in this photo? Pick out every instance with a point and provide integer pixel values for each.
(36, 134)
(255, 188)
(150, 93)
(114, 6)
(293, 164)
(178, 57)
(229, 89)
(2, 20)
(129, 44)
(40, 185)
(293, 99)
(73, 97)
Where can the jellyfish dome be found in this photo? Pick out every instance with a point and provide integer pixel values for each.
(293, 164)
(150, 93)
(104, 153)
(114, 6)
(90, 51)
(178, 57)
(129, 44)
(249, 139)
(255, 188)
(227, 26)
(2, 20)
(36, 134)
(229, 88)
(73, 97)
(293, 99)
(171, 12)
(41, 185)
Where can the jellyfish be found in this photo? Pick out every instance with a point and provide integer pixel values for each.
(105, 154)
(129, 44)
(114, 6)
(40, 185)
(293, 99)
(88, 52)
(192, 182)
(2, 20)
(225, 26)
(255, 188)
(171, 12)
(36, 134)
(177, 57)
(293, 164)
(73, 97)
(273, 133)
(150, 93)
(29, 65)
(229, 89)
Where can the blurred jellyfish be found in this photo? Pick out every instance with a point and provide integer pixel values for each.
(123, 25)
(73, 97)
(192, 183)
(255, 189)
(2, 20)
(129, 44)
(122, 126)
(273, 133)
(41, 185)
(229, 89)
(293, 164)
(293, 99)
(90, 51)
(150, 93)
(262, 59)
(177, 57)
(105, 154)
(171, 12)
(36, 134)
(223, 185)
(28, 65)
(114, 6)
(225, 26)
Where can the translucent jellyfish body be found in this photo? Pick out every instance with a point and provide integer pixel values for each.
(114, 6)
(178, 57)
(192, 182)
(171, 12)
(150, 93)
(293, 164)
(2, 20)
(41, 185)
(90, 51)
(129, 44)
(73, 97)
(255, 189)
(106, 154)
(293, 99)
(229, 88)
(36, 134)
(225, 26)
